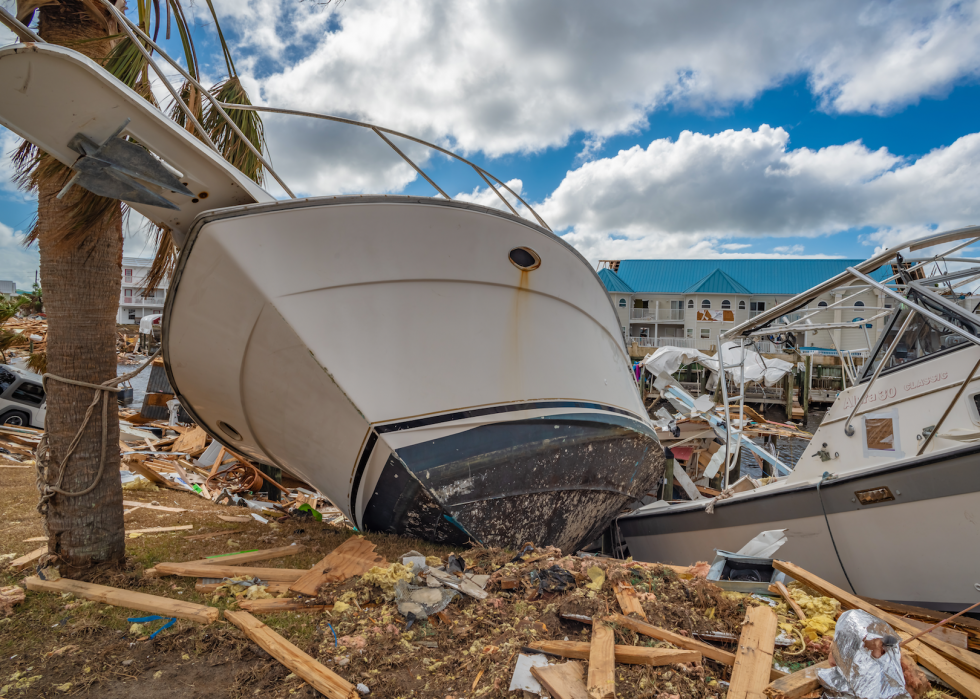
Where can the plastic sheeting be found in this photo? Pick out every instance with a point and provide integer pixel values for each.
(858, 673)
(146, 323)
(757, 368)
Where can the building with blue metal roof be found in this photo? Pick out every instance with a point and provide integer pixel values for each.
(687, 303)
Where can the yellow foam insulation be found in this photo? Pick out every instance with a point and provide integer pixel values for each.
(598, 576)
(387, 578)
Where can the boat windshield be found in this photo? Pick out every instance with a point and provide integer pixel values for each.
(922, 338)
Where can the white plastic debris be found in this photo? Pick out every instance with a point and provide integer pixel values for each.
(363, 688)
(523, 679)
(764, 545)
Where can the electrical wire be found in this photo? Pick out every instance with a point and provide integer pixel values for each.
(826, 475)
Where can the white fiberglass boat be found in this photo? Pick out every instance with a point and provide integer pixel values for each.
(401, 354)
(885, 499)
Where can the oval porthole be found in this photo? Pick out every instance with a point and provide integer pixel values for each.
(230, 431)
(525, 258)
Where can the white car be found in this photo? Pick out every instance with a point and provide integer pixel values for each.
(22, 400)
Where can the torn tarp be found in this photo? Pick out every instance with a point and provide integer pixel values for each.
(757, 368)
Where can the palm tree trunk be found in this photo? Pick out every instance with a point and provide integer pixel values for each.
(81, 279)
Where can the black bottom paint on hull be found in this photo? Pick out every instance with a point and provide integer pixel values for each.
(555, 481)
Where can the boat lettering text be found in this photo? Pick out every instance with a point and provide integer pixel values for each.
(935, 378)
(872, 397)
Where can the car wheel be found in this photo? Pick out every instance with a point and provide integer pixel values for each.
(15, 418)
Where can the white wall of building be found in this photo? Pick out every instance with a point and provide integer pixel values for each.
(135, 301)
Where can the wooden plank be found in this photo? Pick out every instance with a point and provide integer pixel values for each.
(971, 626)
(253, 556)
(950, 673)
(160, 530)
(602, 663)
(25, 560)
(797, 684)
(565, 681)
(210, 535)
(306, 668)
(274, 588)
(943, 633)
(158, 400)
(239, 519)
(217, 461)
(204, 570)
(189, 441)
(778, 588)
(753, 659)
(628, 601)
(268, 606)
(629, 655)
(127, 598)
(963, 658)
(353, 557)
(148, 506)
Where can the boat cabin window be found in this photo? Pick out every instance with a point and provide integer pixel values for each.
(706, 303)
(923, 338)
(30, 393)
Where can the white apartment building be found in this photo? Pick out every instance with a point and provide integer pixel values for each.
(134, 300)
(8, 289)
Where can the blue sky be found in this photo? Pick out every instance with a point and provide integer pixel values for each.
(641, 129)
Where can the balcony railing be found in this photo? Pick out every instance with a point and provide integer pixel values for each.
(140, 301)
(686, 342)
(657, 314)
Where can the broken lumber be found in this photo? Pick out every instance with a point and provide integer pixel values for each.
(953, 637)
(353, 557)
(753, 659)
(602, 663)
(210, 535)
(706, 649)
(160, 530)
(148, 506)
(189, 441)
(966, 661)
(777, 588)
(565, 681)
(306, 668)
(267, 606)
(127, 598)
(204, 570)
(628, 601)
(238, 519)
(28, 558)
(253, 556)
(797, 684)
(950, 673)
(273, 588)
(629, 655)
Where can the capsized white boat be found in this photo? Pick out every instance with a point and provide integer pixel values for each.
(885, 500)
(436, 368)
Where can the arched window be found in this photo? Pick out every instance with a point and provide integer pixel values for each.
(726, 305)
(706, 304)
(622, 303)
(741, 305)
(690, 303)
(822, 304)
(859, 303)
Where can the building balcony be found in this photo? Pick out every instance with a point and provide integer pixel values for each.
(703, 344)
(137, 301)
(660, 315)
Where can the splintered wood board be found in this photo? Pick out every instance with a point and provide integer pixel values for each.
(27, 559)
(273, 588)
(238, 519)
(306, 668)
(127, 598)
(353, 557)
(148, 506)
(628, 601)
(602, 663)
(796, 685)
(203, 570)
(211, 535)
(565, 681)
(753, 659)
(253, 556)
(268, 606)
(629, 655)
(189, 441)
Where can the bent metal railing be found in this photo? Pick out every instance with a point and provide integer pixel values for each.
(133, 31)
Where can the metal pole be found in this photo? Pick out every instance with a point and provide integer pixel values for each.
(959, 393)
(23, 32)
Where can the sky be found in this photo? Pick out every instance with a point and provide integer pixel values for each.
(636, 129)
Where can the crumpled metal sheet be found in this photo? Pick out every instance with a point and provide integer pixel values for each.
(859, 675)
(421, 601)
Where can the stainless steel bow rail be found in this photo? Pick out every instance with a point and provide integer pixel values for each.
(141, 40)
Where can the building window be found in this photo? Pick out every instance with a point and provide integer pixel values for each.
(859, 303)
(690, 303)
(132, 314)
(706, 303)
(726, 305)
(704, 333)
(822, 304)
(690, 332)
(622, 303)
(757, 306)
(150, 293)
(741, 305)
(128, 295)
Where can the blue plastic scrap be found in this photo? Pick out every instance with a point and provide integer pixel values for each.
(144, 619)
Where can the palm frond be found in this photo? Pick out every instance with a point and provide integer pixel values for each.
(164, 261)
(38, 362)
(234, 150)
(8, 340)
(191, 97)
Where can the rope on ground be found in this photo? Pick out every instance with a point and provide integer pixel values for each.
(42, 454)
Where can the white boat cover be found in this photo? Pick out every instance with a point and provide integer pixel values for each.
(757, 368)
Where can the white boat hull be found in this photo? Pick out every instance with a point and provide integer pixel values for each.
(389, 352)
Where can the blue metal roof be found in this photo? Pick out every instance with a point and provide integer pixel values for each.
(717, 283)
(759, 277)
(613, 283)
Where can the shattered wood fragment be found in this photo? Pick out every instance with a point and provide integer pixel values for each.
(629, 655)
(253, 556)
(189, 441)
(204, 570)
(161, 508)
(268, 606)
(796, 685)
(211, 535)
(628, 601)
(160, 530)
(127, 598)
(237, 519)
(353, 557)
(273, 588)
(953, 637)
(10, 596)
(753, 660)
(565, 681)
(602, 663)
(25, 560)
(961, 659)
(777, 588)
(306, 668)
(956, 677)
